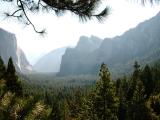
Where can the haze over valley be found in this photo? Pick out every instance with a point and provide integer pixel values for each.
(140, 43)
(103, 64)
(137, 44)
(123, 16)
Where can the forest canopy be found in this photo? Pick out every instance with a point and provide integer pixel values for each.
(132, 97)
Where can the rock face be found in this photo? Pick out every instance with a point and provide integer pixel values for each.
(75, 60)
(23, 63)
(141, 43)
(9, 48)
(50, 62)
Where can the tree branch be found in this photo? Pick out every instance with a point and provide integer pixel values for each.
(83, 8)
(29, 19)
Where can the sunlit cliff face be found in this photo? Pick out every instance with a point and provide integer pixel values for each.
(9, 48)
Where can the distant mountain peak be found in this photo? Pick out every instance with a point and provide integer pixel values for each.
(50, 62)
(88, 44)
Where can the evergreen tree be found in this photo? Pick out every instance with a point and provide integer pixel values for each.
(2, 68)
(75, 103)
(103, 103)
(134, 78)
(137, 71)
(156, 77)
(122, 88)
(148, 81)
(38, 112)
(139, 94)
(66, 113)
(56, 112)
(137, 108)
(153, 104)
(12, 81)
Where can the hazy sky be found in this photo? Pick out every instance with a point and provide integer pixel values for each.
(66, 30)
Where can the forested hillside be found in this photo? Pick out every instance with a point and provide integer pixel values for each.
(134, 97)
(99, 79)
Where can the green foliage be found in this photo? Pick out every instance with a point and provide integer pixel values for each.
(12, 80)
(103, 100)
(133, 82)
(5, 104)
(2, 68)
(39, 112)
(127, 98)
(137, 107)
(147, 79)
(153, 104)
(56, 113)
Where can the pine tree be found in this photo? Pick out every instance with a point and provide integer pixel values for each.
(56, 112)
(137, 71)
(148, 81)
(153, 104)
(156, 77)
(12, 81)
(2, 68)
(75, 104)
(134, 78)
(139, 94)
(39, 112)
(121, 88)
(137, 108)
(103, 103)
(66, 112)
(106, 103)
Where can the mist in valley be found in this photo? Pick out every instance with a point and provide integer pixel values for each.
(92, 62)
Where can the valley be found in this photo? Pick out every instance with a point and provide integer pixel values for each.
(99, 79)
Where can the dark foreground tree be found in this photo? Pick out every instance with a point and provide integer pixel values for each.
(148, 81)
(12, 81)
(134, 79)
(2, 68)
(137, 109)
(153, 105)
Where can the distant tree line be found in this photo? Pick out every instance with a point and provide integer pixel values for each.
(132, 97)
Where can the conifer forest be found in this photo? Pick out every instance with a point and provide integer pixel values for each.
(134, 96)
(79, 59)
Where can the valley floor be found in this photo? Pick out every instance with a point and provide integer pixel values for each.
(47, 97)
